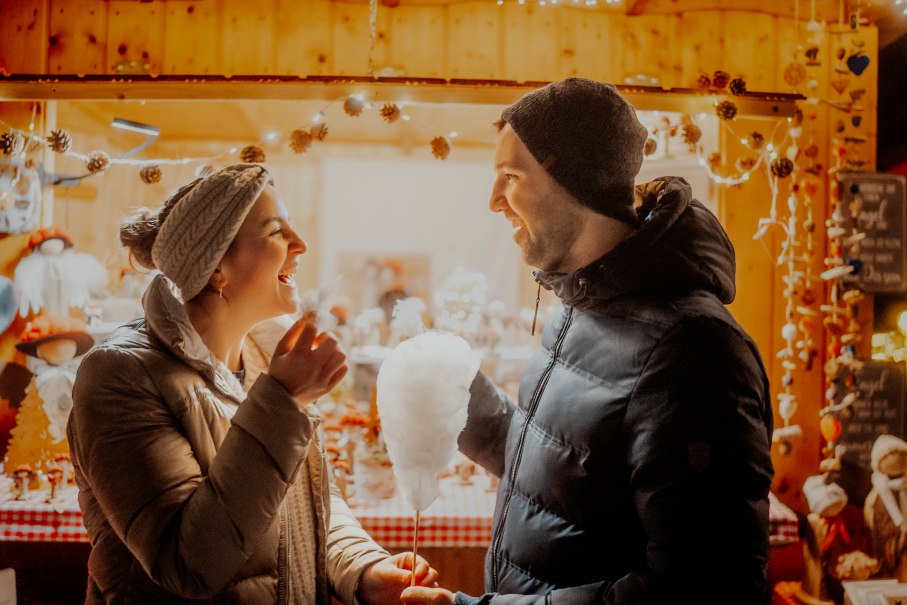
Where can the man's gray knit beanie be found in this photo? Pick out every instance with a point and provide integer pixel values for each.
(202, 224)
(588, 137)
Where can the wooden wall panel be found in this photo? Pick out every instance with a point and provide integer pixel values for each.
(304, 38)
(351, 39)
(247, 36)
(645, 47)
(418, 41)
(531, 43)
(750, 52)
(474, 41)
(700, 48)
(589, 45)
(135, 32)
(77, 42)
(192, 38)
(25, 23)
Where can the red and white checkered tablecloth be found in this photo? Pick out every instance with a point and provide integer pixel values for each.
(461, 516)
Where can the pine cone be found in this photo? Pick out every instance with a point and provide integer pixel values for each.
(737, 86)
(390, 112)
(745, 163)
(300, 141)
(440, 148)
(691, 135)
(59, 141)
(12, 143)
(726, 110)
(252, 154)
(150, 173)
(353, 105)
(98, 161)
(703, 81)
(782, 167)
(755, 140)
(720, 79)
(650, 147)
(319, 130)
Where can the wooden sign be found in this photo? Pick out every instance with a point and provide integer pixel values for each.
(878, 410)
(874, 204)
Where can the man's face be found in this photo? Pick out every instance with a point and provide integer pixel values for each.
(546, 219)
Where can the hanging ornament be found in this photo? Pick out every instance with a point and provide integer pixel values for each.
(12, 143)
(319, 130)
(59, 141)
(782, 167)
(720, 79)
(737, 86)
(98, 161)
(691, 135)
(440, 148)
(830, 427)
(795, 73)
(252, 154)
(150, 173)
(650, 146)
(703, 81)
(300, 140)
(390, 113)
(726, 110)
(353, 105)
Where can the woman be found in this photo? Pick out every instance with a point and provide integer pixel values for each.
(193, 487)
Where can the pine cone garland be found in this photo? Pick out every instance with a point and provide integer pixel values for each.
(59, 141)
(252, 154)
(726, 110)
(782, 167)
(440, 148)
(720, 79)
(98, 161)
(703, 81)
(745, 163)
(12, 143)
(353, 105)
(390, 113)
(319, 130)
(150, 173)
(300, 141)
(650, 147)
(691, 135)
(737, 86)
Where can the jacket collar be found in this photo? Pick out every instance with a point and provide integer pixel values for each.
(167, 319)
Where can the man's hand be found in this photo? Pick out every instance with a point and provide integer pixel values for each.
(382, 582)
(427, 596)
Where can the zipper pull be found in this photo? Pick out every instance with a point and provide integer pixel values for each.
(538, 298)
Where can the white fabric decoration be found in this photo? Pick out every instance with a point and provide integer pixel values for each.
(56, 280)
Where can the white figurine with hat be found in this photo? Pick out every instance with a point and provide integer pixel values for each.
(54, 277)
(885, 508)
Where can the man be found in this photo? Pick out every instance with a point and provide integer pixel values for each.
(636, 467)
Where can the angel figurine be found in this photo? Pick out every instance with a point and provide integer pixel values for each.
(886, 506)
(55, 277)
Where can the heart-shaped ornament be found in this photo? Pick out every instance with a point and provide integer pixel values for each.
(857, 63)
(840, 84)
(856, 121)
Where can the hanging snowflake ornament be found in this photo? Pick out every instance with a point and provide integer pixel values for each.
(98, 161)
(737, 86)
(150, 173)
(12, 143)
(59, 141)
(300, 140)
(650, 146)
(252, 154)
(353, 105)
(390, 113)
(720, 79)
(726, 110)
(782, 167)
(440, 148)
(691, 135)
(319, 130)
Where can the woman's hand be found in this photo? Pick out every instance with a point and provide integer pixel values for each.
(307, 364)
(382, 582)
(427, 596)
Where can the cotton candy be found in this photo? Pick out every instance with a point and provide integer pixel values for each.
(423, 393)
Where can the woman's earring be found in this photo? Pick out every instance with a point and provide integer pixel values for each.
(220, 292)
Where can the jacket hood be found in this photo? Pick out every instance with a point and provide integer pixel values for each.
(679, 246)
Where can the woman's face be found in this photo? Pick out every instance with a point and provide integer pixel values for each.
(259, 269)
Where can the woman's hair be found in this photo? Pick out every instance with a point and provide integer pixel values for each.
(138, 231)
